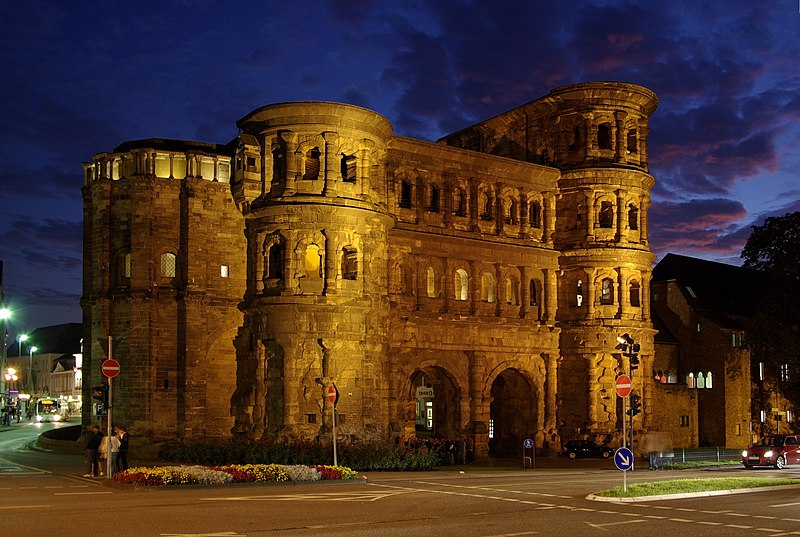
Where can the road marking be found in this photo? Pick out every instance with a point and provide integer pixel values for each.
(785, 504)
(220, 534)
(601, 526)
(326, 496)
(81, 493)
(3, 507)
(514, 534)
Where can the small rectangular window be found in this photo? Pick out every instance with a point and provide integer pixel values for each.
(311, 418)
(341, 418)
(698, 327)
(223, 271)
(684, 421)
(788, 416)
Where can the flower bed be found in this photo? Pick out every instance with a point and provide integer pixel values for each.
(233, 473)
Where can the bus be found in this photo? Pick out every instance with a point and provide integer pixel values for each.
(47, 409)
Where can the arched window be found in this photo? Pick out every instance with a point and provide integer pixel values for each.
(312, 164)
(275, 261)
(403, 284)
(604, 136)
(349, 263)
(607, 291)
(431, 277)
(278, 165)
(433, 199)
(635, 294)
(125, 269)
(534, 294)
(487, 287)
(512, 292)
(576, 139)
(580, 293)
(312, 262)
(701, 381)
(633, 217)
(348, 168)
(461, 285)
(488, 207)
(168, 265)
(690, 380)
(511, 212)
(405, 194)
(709, 381)
(535, 214)
(632, 144)
(606, 215)
(460, 202)
(578, 215)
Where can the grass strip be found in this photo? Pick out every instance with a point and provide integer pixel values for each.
(679, 486)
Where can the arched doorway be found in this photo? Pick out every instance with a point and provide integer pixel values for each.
(436, 400)
(512, 415)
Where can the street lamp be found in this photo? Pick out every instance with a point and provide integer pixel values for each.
(20, 339)
(5, 314)
(31, 350)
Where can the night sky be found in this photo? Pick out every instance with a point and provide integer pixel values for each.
(79, 78)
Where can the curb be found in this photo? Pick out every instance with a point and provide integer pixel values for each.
(684, 495)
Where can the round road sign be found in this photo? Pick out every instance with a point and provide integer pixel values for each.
(623, 459)
(332, 394)
(623, 385)
(110, 368)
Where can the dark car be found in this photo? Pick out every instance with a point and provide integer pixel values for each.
(776, 450)
(585, 448)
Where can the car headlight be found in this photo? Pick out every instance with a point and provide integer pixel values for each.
(744, 453)
(768, 455)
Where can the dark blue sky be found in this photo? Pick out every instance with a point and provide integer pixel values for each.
(79, 78)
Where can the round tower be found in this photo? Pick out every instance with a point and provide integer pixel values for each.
(309, 179)
(599, 141)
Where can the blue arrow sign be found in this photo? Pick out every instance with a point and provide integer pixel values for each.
(623, 459)
(528, 443)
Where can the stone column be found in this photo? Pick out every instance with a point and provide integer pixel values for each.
(591, 216)
(549, 218)
(524, 292)
(621, 141)
(550, 297)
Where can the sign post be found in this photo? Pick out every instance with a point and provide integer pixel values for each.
(623, 457)
(526, 445)
(110, 369)
(333, 397)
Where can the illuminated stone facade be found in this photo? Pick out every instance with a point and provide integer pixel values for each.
(472, 286)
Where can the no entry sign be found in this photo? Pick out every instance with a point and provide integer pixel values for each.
(623, 385)
(110, 368)
(332, 394)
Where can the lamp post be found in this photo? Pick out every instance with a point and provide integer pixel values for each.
(31, 350)
(5, 314)
(21, 338)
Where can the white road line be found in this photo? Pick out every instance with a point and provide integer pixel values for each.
(4, 507)
(514, 534)
(785, 504)
(81, 493)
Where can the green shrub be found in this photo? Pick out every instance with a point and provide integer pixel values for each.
(359, 456)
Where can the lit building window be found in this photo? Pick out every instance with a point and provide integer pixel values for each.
(461, 285)
(126, 266)
(431, 277)
(487, 287)
(607, 292)
(224, 271)
(349, 263)
(168, 265)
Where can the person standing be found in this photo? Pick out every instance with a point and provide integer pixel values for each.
(122, 456)
(93, 442)
(113, 452)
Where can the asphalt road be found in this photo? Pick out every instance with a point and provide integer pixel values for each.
(44, 494)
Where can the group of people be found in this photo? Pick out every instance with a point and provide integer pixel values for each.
(11, 413)
(101, 448)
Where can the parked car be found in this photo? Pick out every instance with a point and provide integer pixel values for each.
(776, 450)
(585, 448)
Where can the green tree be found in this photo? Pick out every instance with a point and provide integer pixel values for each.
(773, 251)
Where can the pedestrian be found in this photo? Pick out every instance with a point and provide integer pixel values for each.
(113, 452)
(470, 447)
(93, 441)
(122, 456)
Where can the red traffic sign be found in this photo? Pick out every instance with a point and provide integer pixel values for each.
(110, 368)
(332, 394)
(623, 385)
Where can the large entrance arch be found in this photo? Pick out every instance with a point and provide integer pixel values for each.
(436, 399)
(512, 414)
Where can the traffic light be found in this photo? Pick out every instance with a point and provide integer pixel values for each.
(636, 405)
(100, 393)
(630, 349)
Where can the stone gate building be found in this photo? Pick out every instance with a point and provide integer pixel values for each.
(476, 285)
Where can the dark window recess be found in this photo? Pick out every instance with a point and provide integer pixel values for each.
(433, 205)
(405, 195)
(349, 264)
(635, 292)
(633, 145)
(311, 418)
(349, 168)
(604, 136)
(312, 164)
(275, 261)
(607, 292)
(606, 216)
(535, 214)
(633, 217)
(460, 203)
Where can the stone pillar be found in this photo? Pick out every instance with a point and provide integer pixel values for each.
(621, 142)
(590, 294)
(551, 392)
(591, 216)
(524, 292)
(549, 218)
(550, 297)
